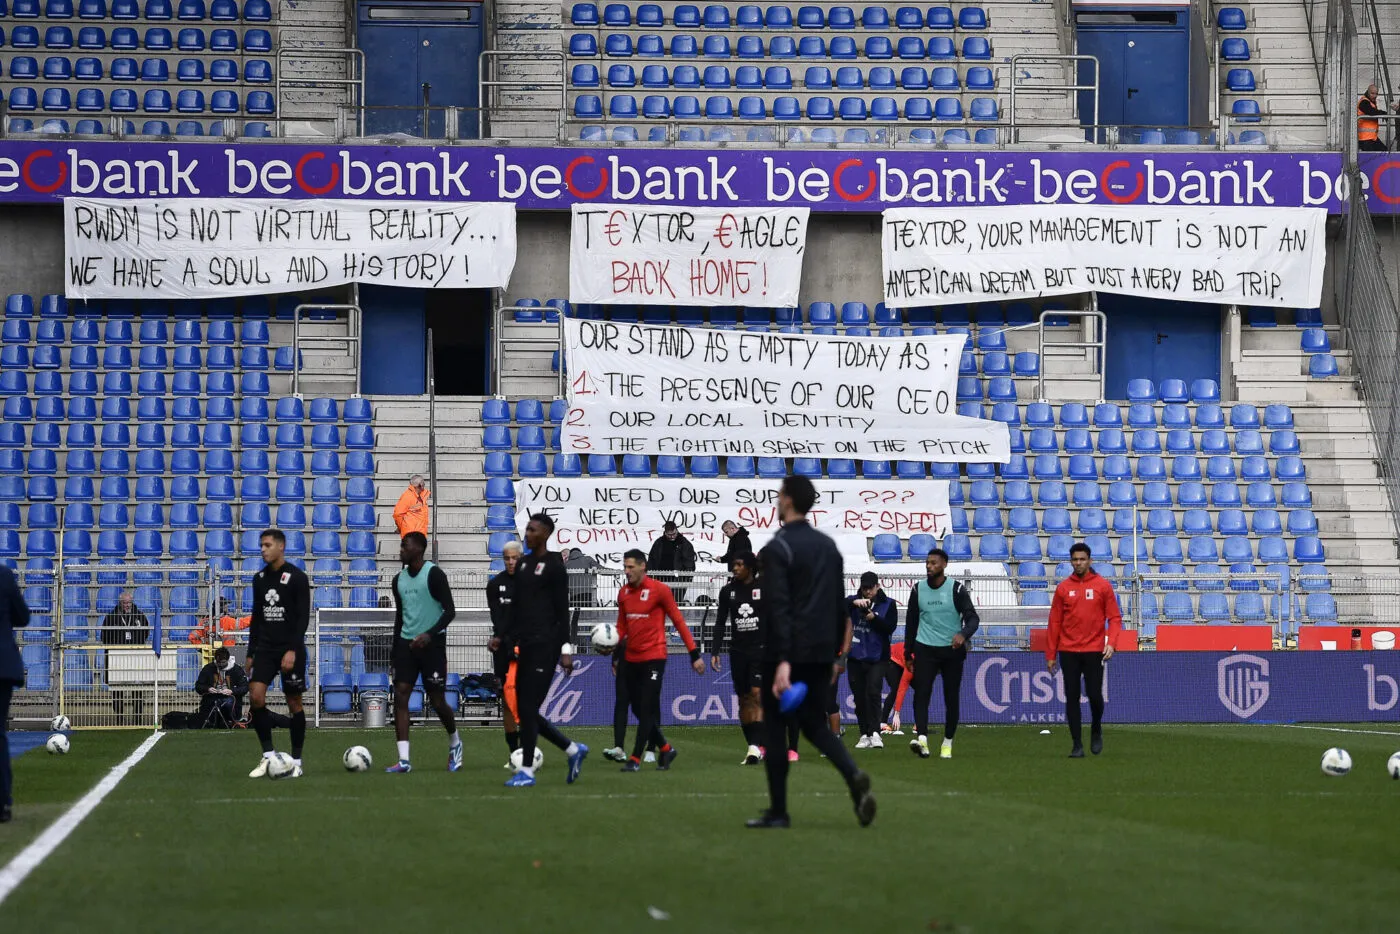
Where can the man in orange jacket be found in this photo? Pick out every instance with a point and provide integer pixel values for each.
(1084, 603)
(411, 511)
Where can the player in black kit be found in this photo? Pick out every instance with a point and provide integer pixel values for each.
(740, 601)
(277, 644)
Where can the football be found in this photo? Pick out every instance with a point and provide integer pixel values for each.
(57, 744)
(604, 638)
(280, 765)
(1392, 766)
(357, 759)
(60, 724)
(516, 759)
(1336, 762)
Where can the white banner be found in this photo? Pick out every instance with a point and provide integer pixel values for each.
(197, 248)
(624, 254)
(1247, 256)
(607, 516)
(642, 389)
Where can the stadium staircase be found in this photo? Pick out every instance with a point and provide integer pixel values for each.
(1267, 73)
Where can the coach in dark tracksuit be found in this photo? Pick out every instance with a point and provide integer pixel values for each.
(14, 614)
(805, 622)
(539, 625)
(941, 620)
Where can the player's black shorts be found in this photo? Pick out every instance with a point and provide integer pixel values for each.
(747, 671)
(430, 662)
(267, 665)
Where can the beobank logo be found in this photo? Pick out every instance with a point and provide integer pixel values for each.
(556, 177)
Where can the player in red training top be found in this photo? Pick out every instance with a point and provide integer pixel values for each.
(642, 607)
(1084, 603)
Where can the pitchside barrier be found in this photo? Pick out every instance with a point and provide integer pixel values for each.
(101, 669)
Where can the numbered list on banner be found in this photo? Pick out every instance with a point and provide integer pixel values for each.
(642, 389)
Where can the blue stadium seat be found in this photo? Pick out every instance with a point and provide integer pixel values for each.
(1234, 49)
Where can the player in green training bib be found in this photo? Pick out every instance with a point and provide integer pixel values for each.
(423, 609)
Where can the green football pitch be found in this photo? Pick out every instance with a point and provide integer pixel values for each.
(1174, 828)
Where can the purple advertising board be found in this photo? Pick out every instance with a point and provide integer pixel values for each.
(1015, 687)
(553, 178)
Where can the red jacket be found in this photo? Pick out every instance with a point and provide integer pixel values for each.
(1077, 615)
(641, 620)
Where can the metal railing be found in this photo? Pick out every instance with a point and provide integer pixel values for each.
(1367, 308)
(350, 340)
(352, 64)
(1098, 322)
(491, 87)
(1073, 89)
(432, 442)
(554, 342)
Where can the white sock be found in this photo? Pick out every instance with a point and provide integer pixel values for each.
(403, 749)
(947, 741)
(455, 739)
(269, 754)
(572, 750)
(528, 770)
(297, 762)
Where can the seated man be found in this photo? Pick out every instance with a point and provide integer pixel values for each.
(221, 687)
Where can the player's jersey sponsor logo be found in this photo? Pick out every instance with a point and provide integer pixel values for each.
(286, 577)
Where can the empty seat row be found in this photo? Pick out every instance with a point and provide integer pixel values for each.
(1174, 416)
(1179, 441)
(126, 38)
(686, 107)
(226, 11)
(1259, 494)
(152, 515)
(186, 387)
(1239, 549)
(779, 77)
(42, 491)
(924, 136)
(841, 48)
(1159, 522)
(187, 70)
(91, 127)
(17, 330)
(147, 358)
(119, 383)
(183, 462)
(125, 100)
(715, 16)
(78, 543)
(152, 435)
(219, 311)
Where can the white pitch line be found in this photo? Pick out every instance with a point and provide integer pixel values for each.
(29, 859)
(1337, 729)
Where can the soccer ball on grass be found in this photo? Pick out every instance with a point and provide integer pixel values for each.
(57, 745)
(357, 759)
(280, 765)
(1392, 766)
(517, 760)
(1336, 762)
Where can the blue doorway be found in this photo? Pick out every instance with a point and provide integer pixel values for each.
(1155, 339)
(1144, 68)
(419, 59)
